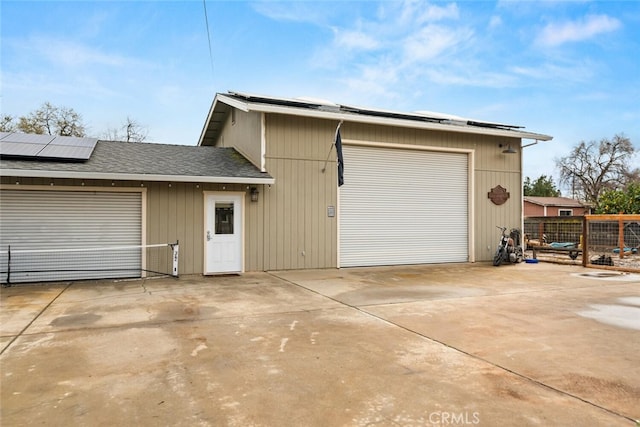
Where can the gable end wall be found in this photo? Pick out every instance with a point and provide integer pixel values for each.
(243, 131)
(297, 231)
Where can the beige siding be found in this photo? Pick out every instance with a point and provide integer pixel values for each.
(288, 228)
(174, 212)
(296, 205)
(298, 232)
(243, 131)
(489, 216)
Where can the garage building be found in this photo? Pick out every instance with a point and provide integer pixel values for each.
(260, 190)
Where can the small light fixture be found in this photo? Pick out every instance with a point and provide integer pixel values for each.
(507, 150)
(254, 194)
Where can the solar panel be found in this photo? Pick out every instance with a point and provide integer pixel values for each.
(46, 146)
(68, 152)
(28, 138)
(20, 149)
(74, 141)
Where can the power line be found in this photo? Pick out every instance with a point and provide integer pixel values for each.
(206, 20)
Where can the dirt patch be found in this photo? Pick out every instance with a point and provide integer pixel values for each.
(78, 320)
(176, 310)
(617, 395)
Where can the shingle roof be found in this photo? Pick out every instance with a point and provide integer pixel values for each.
(554, 201)
(146, 161)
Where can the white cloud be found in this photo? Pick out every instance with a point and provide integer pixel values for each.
(461, 76)
(399, 43)
(355, 39)
(555, 34)
(69, 53)
(420, 11)
(495, 22)
(416, 43)
(293, 11)
(578, 72)
(169, 94)
(432, 41)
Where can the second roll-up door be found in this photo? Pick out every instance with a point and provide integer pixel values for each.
(400, 206)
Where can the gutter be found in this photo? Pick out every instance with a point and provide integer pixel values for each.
(25, 173)
(330, 115)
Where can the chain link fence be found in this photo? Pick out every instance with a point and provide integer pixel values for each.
(603, 241)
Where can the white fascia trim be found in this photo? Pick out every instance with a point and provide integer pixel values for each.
(240, 105)
(263, 143)
(406, 146)
(393, 122)
(226, 100)
(206, 123)
(24, 173)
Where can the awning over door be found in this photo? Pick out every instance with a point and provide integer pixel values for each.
(401, 206)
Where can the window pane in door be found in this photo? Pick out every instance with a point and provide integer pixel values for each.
(224, 218)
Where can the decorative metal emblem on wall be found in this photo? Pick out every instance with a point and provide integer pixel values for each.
(498, 195)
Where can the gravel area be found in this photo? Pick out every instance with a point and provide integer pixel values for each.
(628, 263)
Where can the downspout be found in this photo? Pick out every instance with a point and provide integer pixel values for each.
(522, 240)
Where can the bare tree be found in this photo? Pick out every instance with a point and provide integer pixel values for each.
(69, 123)
(593, 167)
(130, 131)
(52, 120)
(7, 124)
(135, 131)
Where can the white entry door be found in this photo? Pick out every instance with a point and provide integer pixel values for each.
(223, 233)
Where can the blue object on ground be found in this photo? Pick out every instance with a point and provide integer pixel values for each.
(568, 245)
(632, 250)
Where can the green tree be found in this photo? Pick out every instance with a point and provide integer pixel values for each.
(593, 167)
(626, 201)
(543, 186)
(52, 120)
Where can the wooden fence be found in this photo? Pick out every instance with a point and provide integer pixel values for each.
(602, 241)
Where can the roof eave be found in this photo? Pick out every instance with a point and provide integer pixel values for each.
(558, 205)
(329, 115)
(26, 173)
(216, 100)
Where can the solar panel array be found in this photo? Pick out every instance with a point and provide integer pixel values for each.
(46, 146)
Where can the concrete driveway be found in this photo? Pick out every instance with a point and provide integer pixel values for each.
(470, 344)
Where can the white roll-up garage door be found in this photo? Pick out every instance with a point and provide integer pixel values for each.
(400, 206)
(37, 221)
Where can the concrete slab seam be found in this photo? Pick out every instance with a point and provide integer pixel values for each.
(505, 369)
(505, 294)
(35, 318)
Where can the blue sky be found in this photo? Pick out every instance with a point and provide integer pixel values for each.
(570, 69)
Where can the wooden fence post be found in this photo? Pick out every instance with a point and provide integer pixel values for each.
(621, 235)
(585, 240)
